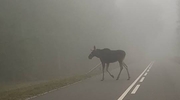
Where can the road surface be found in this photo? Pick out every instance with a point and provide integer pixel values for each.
(150, 80)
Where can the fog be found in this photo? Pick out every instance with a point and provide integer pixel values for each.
(45, 39)
(153, 22)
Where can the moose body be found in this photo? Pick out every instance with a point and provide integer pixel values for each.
(108, 56)
(111, 56)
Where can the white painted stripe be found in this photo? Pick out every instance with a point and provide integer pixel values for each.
(63, 86)
(151, 65)
(129, 88)
(145, 74)
(142, 79)
(135, 89)
(93, 68)
(149, 68)
(52, 90)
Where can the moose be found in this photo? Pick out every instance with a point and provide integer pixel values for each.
(108, 56)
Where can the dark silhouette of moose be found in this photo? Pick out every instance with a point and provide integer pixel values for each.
(108, 56)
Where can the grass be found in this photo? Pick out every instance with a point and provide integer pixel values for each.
(25, 92)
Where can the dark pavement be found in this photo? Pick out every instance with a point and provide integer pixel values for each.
(162, 82)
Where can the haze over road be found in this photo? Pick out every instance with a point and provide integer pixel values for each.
(150, 80)
(46, 40)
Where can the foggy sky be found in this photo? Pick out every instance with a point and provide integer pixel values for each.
(55, 36)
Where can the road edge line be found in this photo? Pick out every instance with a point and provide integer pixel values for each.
(129, 88)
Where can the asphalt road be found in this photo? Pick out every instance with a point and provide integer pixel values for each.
(150, 80)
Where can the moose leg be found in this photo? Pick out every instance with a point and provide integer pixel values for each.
(126, 67)
(121, 68)
(108, 70)
(103, 65)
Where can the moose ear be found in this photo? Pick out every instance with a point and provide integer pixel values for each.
(94, 47)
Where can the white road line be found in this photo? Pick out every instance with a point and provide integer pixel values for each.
(142, 79)
(149, 68)
(129, 88)
(63, 86)
(135, 89)
(52, 90)
(145, 74)
(151, 65)
(93, 68)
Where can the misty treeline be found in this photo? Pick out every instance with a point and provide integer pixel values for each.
(43, 39)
